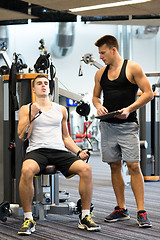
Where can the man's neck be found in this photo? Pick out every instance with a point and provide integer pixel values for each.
(117, 62)
(43, 101)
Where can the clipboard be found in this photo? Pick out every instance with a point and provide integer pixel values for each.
(108, 115)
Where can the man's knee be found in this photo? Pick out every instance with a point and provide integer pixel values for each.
(134, 167)
(116, 166)
(27, 172)
(29, 169)
(86, 171)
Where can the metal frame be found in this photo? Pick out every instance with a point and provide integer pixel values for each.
(1, 141)
(152, 74)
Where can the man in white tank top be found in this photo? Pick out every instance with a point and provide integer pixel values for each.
(44, 124)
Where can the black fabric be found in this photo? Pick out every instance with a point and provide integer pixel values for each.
(52, 74)
(12, 88)
(83, 109)
(31, 120)
(118, 94)
(61, 159)
(42, 63)
(108, 115)
(30, 112)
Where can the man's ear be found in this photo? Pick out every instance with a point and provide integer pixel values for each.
(33, 90)
(114, 50)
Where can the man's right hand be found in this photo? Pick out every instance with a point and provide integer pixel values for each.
(35, 108)
(101, 110)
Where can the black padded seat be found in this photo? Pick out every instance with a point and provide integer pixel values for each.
(50, 169)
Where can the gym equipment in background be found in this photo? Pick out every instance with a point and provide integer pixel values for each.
(44, 63)
(64, 39)
(5, 211)
(4, 69)
(83, 109)
(88, 59)
(149, 116)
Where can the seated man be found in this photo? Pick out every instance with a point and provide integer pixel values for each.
(44, 123)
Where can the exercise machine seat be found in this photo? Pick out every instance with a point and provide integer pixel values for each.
(50, 169)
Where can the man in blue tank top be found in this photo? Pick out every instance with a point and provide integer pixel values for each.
(44, 124)
(119, 81)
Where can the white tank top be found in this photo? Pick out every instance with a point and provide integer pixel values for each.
(47, 130)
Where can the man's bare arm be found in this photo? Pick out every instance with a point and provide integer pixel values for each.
(68, 141)
(24, 125)
(97, 93)
(142, 82)
(23, 121)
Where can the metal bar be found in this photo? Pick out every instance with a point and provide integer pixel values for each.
(97, 65)
(152, 74)
(68, 94)
(6, 58)
(56, 188)
(1, 140)
(56, 91)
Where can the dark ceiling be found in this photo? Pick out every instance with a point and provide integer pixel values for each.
(18, 12)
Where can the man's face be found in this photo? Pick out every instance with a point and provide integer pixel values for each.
(41, 87)
(106, 54)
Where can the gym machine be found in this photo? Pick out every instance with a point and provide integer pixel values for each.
(17, 86)
(83, 109)
(149, 116)
(5, 68)
(88, 59)
(47, 192)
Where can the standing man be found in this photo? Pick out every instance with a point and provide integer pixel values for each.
(119, 82)
(44, 123)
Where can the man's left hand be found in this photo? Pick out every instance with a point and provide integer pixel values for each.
(124, 114)
(84, 154)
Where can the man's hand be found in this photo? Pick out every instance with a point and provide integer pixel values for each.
(101, 110)
(35, 108)
(124, 113)
(84, 154)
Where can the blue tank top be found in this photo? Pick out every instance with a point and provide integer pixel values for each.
(47, 130)
(118, 94)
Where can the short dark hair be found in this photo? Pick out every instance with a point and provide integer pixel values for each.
(40, 76)
(109, 40)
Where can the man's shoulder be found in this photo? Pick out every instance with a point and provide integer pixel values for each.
(57, 105)
(100, 72)
(63, 108)
(24, 110)
(132, 64)
(24, 107)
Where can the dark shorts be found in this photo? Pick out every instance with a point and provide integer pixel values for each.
(61, 159)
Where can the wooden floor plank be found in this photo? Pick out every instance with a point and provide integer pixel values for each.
(65, 227)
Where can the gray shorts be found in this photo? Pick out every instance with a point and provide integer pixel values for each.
(120, 142)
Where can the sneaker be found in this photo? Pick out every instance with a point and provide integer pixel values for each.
(119, 214)
(88, 223)
(142, 219)
(27, 227)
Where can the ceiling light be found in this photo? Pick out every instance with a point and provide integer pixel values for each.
(107, 5)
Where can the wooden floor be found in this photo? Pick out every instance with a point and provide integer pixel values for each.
(65, 227)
